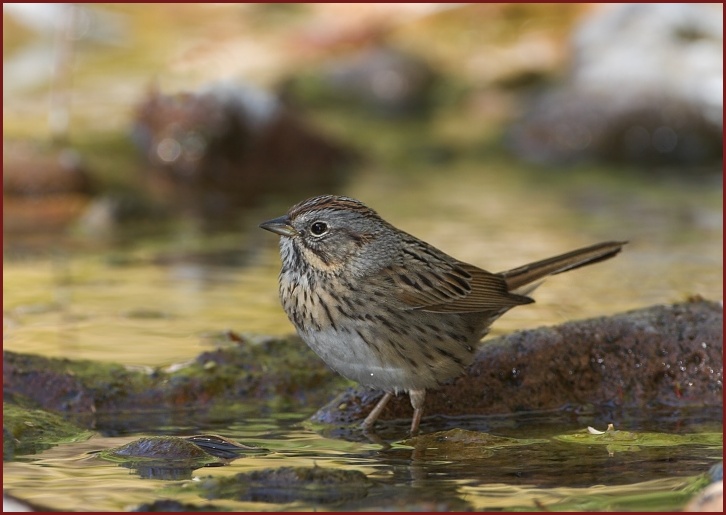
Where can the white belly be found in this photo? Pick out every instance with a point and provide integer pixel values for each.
(349, 355)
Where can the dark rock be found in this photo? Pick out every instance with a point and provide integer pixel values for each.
(646, 87)
(653, 357)
(290, 484)
(167, 447)
(280, 371)
(212, 152)
(170, 505)
(50, 387)
(174, 458)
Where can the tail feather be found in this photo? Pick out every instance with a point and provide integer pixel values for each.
(527, 274)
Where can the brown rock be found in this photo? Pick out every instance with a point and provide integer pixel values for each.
(656, 356)
(210, 152)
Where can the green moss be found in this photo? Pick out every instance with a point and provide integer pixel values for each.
(283, 373)
(629, 441)
(28, 431)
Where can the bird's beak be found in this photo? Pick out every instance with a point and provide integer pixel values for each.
(280, 225)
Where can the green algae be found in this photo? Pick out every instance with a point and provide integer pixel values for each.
(282, 373)
(29, 431)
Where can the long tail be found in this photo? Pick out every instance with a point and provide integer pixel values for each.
(528, 274)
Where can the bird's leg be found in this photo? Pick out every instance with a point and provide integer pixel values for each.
(417, 401)
(373, 415)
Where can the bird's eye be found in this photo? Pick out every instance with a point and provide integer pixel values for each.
(318, 228)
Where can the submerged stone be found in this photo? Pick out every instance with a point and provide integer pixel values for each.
(211, 152)
(462, 445)
(168, 448)
(174, 458)
(290, 484)
(170, 505)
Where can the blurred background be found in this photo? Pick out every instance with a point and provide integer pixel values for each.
(143, 145)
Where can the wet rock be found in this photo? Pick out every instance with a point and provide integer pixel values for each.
(69, 386)
(184, 448)
(645, 86)
(28, 431)
(211, 152)
(283, 372)
(174, 458)
(161, 447)
(659, 356)
(314, 485)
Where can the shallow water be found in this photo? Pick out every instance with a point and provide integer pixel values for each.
(156, 302)
(539, 472)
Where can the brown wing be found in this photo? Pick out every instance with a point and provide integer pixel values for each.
(429, 280)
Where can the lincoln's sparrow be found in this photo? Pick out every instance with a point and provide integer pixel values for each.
(387, 310)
